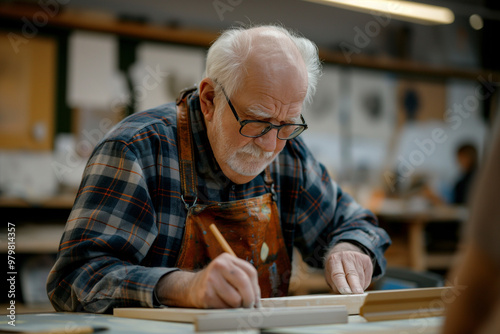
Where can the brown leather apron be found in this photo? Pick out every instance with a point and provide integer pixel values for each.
(250, 226)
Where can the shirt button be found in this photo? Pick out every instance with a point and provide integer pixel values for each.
(233, 187)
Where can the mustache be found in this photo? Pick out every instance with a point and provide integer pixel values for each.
(255, 151)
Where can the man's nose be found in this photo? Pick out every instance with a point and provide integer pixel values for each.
(267, 142)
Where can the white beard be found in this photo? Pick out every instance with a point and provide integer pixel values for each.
(250, 160)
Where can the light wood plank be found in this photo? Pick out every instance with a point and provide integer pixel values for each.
(405, 304)
(273, 317)
(352, 303)
(241, 319)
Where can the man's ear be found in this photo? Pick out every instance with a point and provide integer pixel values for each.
(207, 96)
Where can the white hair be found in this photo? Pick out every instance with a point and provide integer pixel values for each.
(227, 55)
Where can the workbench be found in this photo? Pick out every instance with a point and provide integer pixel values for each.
(394, 311)
(68, 322)
(398, 213)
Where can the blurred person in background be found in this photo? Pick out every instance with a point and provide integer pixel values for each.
(467, 160)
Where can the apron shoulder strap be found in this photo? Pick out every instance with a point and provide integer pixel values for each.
(185, 148)
(268, 180)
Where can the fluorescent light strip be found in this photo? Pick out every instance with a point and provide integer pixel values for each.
(402, 10)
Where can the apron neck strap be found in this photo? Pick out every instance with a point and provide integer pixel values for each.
(268, 180)
(185, 147)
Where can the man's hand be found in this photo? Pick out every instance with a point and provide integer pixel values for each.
(347, 269)
(227, 282)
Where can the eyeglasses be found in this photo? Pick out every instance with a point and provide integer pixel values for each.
(254, 129)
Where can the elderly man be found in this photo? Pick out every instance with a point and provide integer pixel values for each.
(227, 154)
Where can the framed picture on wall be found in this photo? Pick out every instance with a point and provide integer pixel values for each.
(420, 100)
(27, 93)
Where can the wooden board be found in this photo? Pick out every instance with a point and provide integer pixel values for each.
(241, 319)
(405, 304)
(352, 303)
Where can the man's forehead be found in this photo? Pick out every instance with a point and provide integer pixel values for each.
(259, 112)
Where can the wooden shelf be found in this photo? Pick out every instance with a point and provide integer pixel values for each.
(406, 66)
(27, 309)
(102, 23)
(63, 201)
(197, 37)
(35, 239)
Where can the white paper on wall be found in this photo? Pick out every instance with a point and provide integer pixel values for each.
(352, 119)
(430, 147)
(322, 117)
(92, 66)
(27, 175)
(162, 71)
(323, 114)
(373, 109)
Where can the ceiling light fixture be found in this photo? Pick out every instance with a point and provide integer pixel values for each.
(398, 9)
(476, 22)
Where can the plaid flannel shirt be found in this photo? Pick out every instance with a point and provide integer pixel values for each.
(126, 226)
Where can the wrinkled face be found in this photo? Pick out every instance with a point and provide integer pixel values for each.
(242, 158)
(273, 89)
(246, 156)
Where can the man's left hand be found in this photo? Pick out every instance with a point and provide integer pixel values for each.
(347, 269)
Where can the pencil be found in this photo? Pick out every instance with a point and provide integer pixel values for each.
(222, 242)
(225, 246)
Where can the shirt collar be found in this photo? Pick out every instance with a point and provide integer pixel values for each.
(206, 165)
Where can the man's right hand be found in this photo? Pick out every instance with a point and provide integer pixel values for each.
(227, 282)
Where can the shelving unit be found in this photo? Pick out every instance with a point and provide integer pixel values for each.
(39, 226)
(62, 201)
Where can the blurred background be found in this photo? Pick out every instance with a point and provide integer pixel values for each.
(401, 118)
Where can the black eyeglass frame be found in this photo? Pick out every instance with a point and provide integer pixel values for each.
(270, 125)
